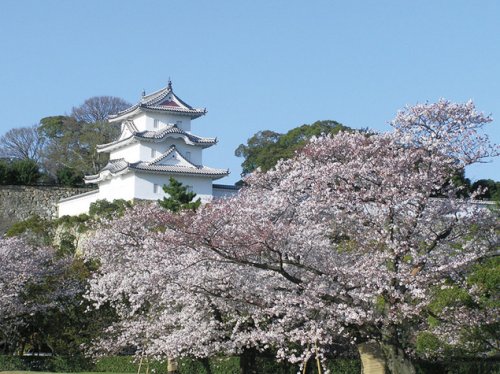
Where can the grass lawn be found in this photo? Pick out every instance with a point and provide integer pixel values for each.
(47, 372)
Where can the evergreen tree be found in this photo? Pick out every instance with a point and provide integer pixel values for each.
(264, 149)
(179, 197)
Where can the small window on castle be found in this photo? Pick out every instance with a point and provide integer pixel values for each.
(156, 123)
(189, 188)
(188, 156)
(156, 188)
(178, 123)
(153, 153)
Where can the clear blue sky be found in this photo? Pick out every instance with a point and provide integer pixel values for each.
(255, 65)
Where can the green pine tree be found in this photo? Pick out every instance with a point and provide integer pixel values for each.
(179, 197)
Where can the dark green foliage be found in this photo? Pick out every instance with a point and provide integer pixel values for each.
(69, 177)
(12, 363)
(258, 152)
(54, 127)
(25, 172)
(459, 367)
(69, 221)
(41, 231)
(20, 172)
(127, 364)
(71, 144)
(43, 363)
(66, 244)
(106, 209)
(4, 172)
(266, 148)
(264, 364)
(492, 189)
(69, 324)
(227, 365)
(459, 180)
(63, 146)
(428, 344)
(66, 330)
(179, 197)
(474, 341)
(344, 366)
(35, 227)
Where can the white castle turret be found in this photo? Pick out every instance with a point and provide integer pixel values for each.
(155, 143)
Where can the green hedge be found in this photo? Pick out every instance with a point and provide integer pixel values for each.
(225, 365)
(486, 366)
(54, 364)
(126, 364)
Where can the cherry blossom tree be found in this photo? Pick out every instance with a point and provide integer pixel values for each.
(346, 242)
(158, 286)
(24, 291)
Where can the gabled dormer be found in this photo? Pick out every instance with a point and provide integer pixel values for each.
(172, 158)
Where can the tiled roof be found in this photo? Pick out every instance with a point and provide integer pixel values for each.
(226, 187)
(199, 170)
(158, 135)
(120, 165)
(173, 129)
(163, 100)
(155, 165)
(114, 166)
(131, 126)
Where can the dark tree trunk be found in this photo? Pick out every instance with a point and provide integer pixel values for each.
(206, 364)
(247, 361)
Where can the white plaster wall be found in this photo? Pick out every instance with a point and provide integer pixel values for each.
(119, 187)
(166, 119)
(131, 153)
(144, 186)
(135, 185)
(125, 132)
(77, 204)
(141, 121)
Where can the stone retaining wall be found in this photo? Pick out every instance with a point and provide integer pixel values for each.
(21, 202)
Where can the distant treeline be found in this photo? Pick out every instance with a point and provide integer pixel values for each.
(60, 149)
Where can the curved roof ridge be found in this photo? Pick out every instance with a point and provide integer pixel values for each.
(112, 167)
(178, 169)
(131, 126)
(173, 129)
(159, 135)
(119, 165)
(154, 101)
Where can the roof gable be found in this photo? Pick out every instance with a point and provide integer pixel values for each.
(172, 158)
(163, 100)
(129, 129)
(168, 102)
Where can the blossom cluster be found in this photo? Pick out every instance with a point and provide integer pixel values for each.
(343, 243)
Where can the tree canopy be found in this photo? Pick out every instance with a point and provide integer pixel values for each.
(98, 109)
(22, 143)
(264, 149)
(343, 243)
(64, 147)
